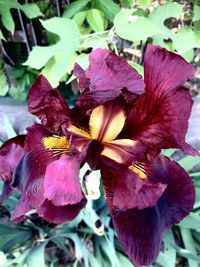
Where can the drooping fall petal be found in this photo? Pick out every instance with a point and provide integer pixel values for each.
(60, 214)
(48, 104)
(106, 76)
(61, 183)
(140, 230)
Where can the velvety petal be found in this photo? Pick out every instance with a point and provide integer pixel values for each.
(128, 188)
(48, 104)
(61, 183)
(34, 137)
(11, 153)
(29, 180)
(160, 120)
(5, 171)
(164, 70)
(60, 214)
(108, 74)
(124, 151)
(140, 230)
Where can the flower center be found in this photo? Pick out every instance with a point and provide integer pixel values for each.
(59, 143)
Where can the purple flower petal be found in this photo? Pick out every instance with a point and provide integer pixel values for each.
(61, 183)
(60, 214)
(106, 76)
(140, 230)
(48, 104)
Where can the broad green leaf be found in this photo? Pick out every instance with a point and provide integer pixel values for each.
(74, 7)
(31, 11)
(124, 261)
(4, 87)
(189, 245)
(109, 8)
(133, 28)
(167, 258)
(126, 3)
(192, 221)
(196, 13)
(139, 68)
(144, 3)
(95, 42)
(37, 255)
(185, 39)
(188, 55)
(80, 17)
(189, 162)
(96, 19)
(58, 58)
(158, 17)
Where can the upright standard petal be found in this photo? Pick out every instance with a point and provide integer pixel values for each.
(140, 230)
(160, 116)
(107, 74)
(164, 70)
(161, 120)
(61, 183)
(48, 104)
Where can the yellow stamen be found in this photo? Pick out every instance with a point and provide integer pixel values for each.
(56, 143)
(138, 170)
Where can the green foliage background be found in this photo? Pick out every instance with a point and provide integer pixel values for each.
(55, 35)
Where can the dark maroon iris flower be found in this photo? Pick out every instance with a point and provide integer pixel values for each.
(11, 153)
(119, 125)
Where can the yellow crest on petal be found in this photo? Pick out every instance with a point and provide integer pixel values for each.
(56, 143)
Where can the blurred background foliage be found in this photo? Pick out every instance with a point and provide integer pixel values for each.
(48, 37)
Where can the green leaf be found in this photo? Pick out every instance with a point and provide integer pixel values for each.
(189, 162)
(138, 67)
(124, 261)
(192, 221)
(144, 3)
(185, 39)
(109, 8)
(4, 87)
(196, 13)
(189, 245)
(133, 28)
(167, 258)
(31, 11)
(58, 58)
(169, 152)
(37, 255)
(74, 8)
(188, 55)
(95, 42)
(80, 17)
(158, 17)
(96, 19)
(127, 3)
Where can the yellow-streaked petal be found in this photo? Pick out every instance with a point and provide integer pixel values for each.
(138, 170)
(106, 122)
(119, 150)
(56, 143)
(78, 131)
